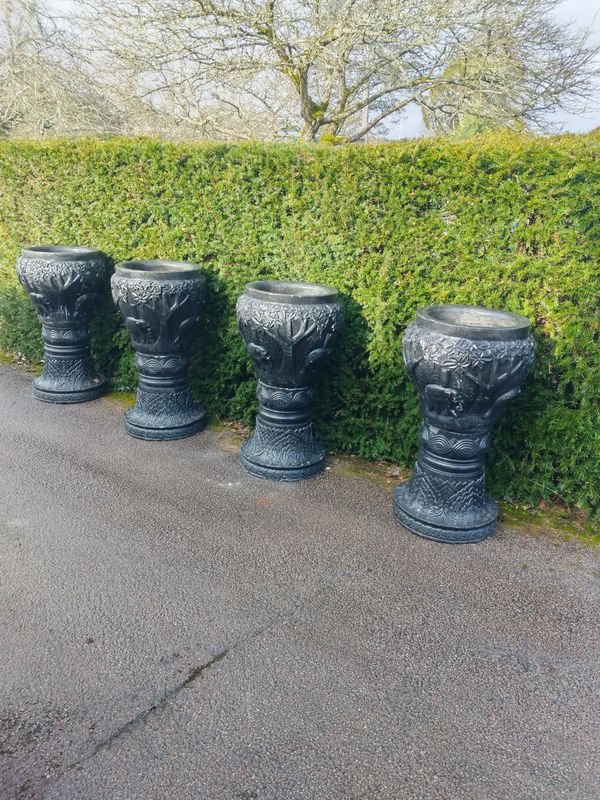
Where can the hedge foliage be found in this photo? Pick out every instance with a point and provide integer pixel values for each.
(508, 222)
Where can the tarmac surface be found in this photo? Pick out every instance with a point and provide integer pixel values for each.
(172, 627)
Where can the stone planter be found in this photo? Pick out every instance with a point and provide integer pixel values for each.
(160, 302)
(466, 363)
(63, 283)
(289, 329)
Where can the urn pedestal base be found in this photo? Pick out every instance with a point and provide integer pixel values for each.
(69, 375)
(283, 473)
(163, 414)
(163, 434)
(283, 445)
(445, 499)
(452, 528)
(46, 395)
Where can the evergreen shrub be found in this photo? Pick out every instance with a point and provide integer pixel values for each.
(503, 221)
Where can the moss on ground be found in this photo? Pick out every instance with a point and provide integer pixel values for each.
(545, 519)
(123, 399)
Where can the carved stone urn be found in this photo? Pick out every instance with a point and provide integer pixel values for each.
(466, 362)
(289, 330)
(63, 283)
(160, 302)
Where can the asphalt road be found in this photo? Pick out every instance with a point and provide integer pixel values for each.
(174, 628)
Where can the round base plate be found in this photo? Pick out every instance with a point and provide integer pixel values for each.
(79, 396)
(282, 474)
(165, 434)
(441, 533)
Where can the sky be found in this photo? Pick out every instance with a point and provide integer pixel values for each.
(586, 13)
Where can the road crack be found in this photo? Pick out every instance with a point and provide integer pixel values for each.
(198, 672)
(140, 718)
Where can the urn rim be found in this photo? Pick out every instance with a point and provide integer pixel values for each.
(159, 270)
(294, 292)
(474, 322)
(60, 252)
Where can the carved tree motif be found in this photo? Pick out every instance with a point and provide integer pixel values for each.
(457, 376)
(288, 341)
(62, 290)
(159, 314)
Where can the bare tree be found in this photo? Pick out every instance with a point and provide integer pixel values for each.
(49, 88)
(284, 68)
(42, 90)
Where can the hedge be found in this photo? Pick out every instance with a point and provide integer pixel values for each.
(504, 221)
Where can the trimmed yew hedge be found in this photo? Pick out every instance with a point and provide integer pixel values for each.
(508, 222)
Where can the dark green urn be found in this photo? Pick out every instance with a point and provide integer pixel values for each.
(63, 284)
(289, 330)
(467, 363)
(160, 302)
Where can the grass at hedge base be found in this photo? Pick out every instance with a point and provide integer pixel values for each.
(505, 221)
